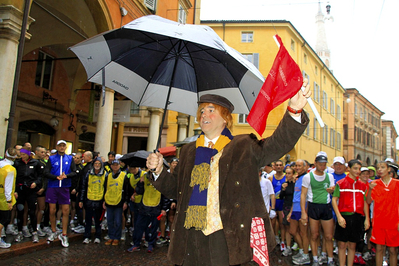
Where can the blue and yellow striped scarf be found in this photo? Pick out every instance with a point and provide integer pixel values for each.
(196, 211)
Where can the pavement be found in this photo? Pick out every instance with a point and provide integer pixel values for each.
(28, 253)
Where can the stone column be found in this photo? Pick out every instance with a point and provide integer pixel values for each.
(153, 129)
(182, 122)
(119, 140)
(125, 144)
(102, 143)
(10, 31)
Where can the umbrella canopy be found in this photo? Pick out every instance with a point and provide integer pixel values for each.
(138, 159)
(160, 63)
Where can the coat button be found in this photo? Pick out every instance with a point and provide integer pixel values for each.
(242, 226)
(180, 192)
(237, 183)
(177, 212)
(237, 205)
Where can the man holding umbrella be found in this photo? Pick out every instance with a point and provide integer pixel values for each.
(217, 186)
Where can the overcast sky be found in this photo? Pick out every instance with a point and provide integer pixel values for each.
(363, 40)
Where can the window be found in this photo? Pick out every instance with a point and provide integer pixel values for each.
(338, 141)
(305, 58)
(292, 45)
(332, 106)
(361, 112)
(338, 112)
(44, 70)
(253, 58)
(325, 134)
(315, 70)
(315, 129)
(308, 126)
(346, 132)
(134, 108)
(182, 15)
(324, 79)
(316, 92)
(247, 36)
(332, 137)
(325, 99)
(242, 119)
(305, 76)
(355, 108)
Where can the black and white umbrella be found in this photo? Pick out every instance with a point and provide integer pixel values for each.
(160, 63)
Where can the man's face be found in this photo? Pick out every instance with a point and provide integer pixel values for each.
(211, 123)
(86, 157)
(134, 170)
(61, 148)
(77, 159)
(279, 167)
(111, 157)
(355, 170)
(27, 146)
(371, 173)
(173, 164)
(320, 166)
(339, 168)
(382, 170)
(364, 176)
(97, 165)
(115, 167)
(300, 167)
(41, 153)
(18, 148)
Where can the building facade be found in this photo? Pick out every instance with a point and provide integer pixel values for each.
(362, 129)
(389, 136)
(54, 100)
(254, 39)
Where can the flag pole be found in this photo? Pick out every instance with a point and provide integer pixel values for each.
(310, 101)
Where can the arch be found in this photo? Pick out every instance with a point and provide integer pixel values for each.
(375, 162)
(368, 161)
(358, 157)
(36, 132)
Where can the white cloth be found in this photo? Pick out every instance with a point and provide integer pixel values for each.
(9, 181)
(267, 189)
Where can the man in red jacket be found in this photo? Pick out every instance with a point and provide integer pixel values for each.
(352, 210)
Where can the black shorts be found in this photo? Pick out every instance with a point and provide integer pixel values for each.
(286, 211)
(320, 211)
(354, 230)
(5, 217)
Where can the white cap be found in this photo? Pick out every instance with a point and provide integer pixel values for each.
(323, 153)
(339, 159)
(53, 151)
(118, 156)
(364, 169)
(61, 141)
(389, 160)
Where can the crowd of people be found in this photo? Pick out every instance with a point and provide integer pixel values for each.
(50, 193)
(343, 207)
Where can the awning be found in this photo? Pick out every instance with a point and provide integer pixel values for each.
(168, 151)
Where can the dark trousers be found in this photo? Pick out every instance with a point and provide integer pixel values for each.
(93, 210)
(142, 223)
(29, 196)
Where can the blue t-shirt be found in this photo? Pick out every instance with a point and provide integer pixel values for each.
(296, 200)
(338, 177)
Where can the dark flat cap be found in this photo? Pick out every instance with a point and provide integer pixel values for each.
(321, 159)
(216, 99)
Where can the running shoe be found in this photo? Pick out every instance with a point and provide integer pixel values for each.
(133, 248)
(161, 241)
(315, 263)
(109, 242)
(47, 230)
(359, 260)
(323, 259)
(64, 240)
(51, 237)
(295, 246)
(3, 232)
(150, 249)
(116, 242)
(123, 235)
(298, 255)
(19, 237)
(97, 241)
(277, 240)
(367, 255)
(331, 263)
(40, 232)
(282, 246)
(287, 252)
(11, 231)
(26, 233)
(35, 238)
(106, 237)
(86, 241)
(3, 244)
(304, 259)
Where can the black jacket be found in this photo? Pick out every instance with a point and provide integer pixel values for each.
(28, 173)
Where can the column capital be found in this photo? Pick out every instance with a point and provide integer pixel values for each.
(182, 119)
(11, 23)
(155, 111)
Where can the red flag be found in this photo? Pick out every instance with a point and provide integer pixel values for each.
(282, 83)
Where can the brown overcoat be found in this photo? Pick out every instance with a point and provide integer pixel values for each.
(240, 194)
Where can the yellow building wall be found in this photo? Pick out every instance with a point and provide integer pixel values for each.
(264, 44)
